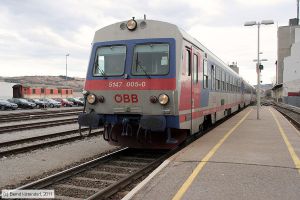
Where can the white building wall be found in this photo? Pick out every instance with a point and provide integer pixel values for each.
(6, 91)
(291, 72)
(297, 35)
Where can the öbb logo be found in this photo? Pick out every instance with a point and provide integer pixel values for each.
(126, 98)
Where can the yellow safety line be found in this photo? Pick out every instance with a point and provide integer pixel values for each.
(202, 163)
(288, 144)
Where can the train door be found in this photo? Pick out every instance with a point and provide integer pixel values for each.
(185, 105)
(205, 82)
(189, 63)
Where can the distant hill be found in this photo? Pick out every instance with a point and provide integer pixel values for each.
(55, 81)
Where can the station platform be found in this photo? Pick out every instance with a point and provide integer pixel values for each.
(243, 158)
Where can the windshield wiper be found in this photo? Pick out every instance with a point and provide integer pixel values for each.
(101, 70)
(103, 73)
(137, 64)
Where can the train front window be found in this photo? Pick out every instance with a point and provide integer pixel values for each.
(110, 61)
(150, 59)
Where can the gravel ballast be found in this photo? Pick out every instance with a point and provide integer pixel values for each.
(24, 167)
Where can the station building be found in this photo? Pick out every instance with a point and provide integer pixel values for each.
(32, 91)
(287, 87)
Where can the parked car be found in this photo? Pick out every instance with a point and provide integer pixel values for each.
(64, 102)
(22, 103)
(39, 104)
(80, 100)
(52, 103)
(76, 101)
(4, 104)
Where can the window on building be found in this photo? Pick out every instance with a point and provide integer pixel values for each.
(42, 90)
(33, 91)
(59, 91)
(67, 91)
(51, 91)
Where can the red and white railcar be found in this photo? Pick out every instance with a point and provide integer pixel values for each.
(151, 85)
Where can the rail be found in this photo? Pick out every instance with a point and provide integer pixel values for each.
(39, 142)
(21, 127)
(101, 177)
(37, 115)
(291, 112)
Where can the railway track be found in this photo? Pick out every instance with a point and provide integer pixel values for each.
(21, 127)
(101, 177)
(38, 115)
(28, 144)
(291, 112)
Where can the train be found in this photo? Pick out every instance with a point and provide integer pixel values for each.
(150, 84)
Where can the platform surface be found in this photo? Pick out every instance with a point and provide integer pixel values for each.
(243, 158)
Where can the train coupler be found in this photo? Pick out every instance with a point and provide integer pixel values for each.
(91, 120)
(126, 127)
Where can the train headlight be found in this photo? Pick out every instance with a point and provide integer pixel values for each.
(163, 99)
(91, 98)
(131, 24)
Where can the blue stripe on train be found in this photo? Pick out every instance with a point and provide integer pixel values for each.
(172, 121)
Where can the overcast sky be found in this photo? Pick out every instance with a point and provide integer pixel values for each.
(35, 35)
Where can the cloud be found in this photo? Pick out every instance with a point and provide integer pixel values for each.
(239, 44)
(36, 35)
(260, 2)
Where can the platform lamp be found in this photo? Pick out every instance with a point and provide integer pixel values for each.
(253, 23)
(259, 68)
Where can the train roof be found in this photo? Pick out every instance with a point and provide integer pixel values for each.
(115, 32)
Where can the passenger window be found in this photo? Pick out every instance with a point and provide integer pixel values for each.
(229, 84)
(218, 77)
(213, 77)
(188, 61)
(223, 81)
(205, 74)
(195, 69)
